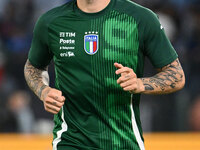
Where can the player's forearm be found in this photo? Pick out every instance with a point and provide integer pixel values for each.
(170, 79)
(36, 79)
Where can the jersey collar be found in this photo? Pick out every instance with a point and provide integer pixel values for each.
(94, 15)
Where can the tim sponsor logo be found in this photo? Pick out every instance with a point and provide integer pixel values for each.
(67, 34)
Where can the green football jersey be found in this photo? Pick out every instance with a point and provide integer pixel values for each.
(98, 114)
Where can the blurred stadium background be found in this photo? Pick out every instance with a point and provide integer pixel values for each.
(169, 121)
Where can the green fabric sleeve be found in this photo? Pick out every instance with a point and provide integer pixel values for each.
(156, 44)
(39, 54)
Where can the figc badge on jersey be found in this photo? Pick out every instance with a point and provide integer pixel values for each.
(91, 42)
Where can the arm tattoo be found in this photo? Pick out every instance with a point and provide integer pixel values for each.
(37, 79)
(148, 87)
(40, 90)
(168, 80)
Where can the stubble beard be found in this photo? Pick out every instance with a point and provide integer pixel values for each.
(89, 1)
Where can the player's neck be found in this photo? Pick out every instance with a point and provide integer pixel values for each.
(92, 6)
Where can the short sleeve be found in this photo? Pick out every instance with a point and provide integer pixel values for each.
(156, 44)
(39, 54)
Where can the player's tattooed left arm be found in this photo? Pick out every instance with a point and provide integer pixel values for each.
(169, 79)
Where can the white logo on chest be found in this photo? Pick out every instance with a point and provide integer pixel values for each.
(67, 54)
(67, 42)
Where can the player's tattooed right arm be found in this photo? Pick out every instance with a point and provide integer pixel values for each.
(37, 79)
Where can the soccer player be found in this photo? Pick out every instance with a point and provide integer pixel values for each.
(98, 48)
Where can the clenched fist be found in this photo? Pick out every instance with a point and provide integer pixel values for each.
(128, 80)
(52, 99)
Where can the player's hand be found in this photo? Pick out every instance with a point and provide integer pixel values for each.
(128, 80)
(52, 99)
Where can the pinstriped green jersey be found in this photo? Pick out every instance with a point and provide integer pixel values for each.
(98, 114)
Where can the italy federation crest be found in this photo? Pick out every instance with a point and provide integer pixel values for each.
(91, 42)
